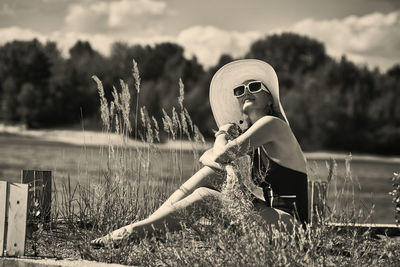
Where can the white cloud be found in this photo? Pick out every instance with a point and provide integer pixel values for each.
(123, 10)
(16, 33)
(373, 39)
(208, 43)
(103, 15)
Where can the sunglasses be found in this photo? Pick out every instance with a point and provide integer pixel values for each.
(253, 87)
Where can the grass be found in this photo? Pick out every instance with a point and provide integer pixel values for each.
(86, 163)
(100, 189)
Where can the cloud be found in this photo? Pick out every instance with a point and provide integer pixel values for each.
(111, 15)
(6, 10)
(208, 43)
(373, 38)
(16, 33)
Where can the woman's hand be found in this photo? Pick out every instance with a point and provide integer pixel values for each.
(208, 159)
(226, 133)
(231, 131)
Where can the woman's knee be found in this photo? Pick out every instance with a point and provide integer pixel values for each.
(204, 193)
(205, 177)
(276, 217)
(197, 200)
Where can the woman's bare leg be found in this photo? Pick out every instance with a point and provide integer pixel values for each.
(276, 217)
(165, 217)
(159, 221)
(205, 177)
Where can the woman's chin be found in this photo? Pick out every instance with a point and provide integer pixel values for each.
(247, 107)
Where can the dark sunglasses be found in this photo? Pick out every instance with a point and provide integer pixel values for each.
(252, 87)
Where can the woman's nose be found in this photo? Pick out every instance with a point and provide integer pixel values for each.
(247, 91)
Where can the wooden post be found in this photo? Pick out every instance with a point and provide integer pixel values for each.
(17, 213)
(317, 193)
(310, 194)
(39, 183)
(3, 209)
(13, 213)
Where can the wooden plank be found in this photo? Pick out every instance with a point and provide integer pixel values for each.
(317, 192)
(45, 201)
(320, 191)
(17, 214)
(3, 209)
(310, 195)
(28, 177)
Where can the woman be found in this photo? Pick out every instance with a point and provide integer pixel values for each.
(244, 97)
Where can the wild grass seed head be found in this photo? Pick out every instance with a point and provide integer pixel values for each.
(125, 98)
(136, 76)
(184, 123)
(116, 100)
(105, 114)
(167, 122)
(181, 96)
(156, 129)
(188, 119)
(177, 127)
(146, 122)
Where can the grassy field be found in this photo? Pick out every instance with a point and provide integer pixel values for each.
(244, 241)
(86, 164)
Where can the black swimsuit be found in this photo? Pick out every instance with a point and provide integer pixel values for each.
(283, 188)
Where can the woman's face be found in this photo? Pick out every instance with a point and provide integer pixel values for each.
(255, 102)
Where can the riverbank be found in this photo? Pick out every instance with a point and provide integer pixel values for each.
(92, 138)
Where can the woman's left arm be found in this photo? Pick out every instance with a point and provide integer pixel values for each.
(225, 133)
(265, 130)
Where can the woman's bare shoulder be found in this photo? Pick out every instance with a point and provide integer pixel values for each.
(270, 119)
(272, 123)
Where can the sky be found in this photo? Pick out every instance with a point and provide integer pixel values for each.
(366, 31)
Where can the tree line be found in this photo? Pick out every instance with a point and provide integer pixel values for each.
(331, 104)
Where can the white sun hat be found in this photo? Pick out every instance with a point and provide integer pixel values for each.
(225, 106)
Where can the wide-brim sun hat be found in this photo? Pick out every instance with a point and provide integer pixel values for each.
(225, 106)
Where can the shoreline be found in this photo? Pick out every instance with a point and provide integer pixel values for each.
(96, 139)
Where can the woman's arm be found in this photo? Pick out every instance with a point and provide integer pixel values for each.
(265, 130)
(225, 133)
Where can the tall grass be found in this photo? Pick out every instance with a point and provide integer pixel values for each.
(136, 180)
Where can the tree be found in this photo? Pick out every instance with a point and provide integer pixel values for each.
(29, 101)
(9, 100)
(22, 63)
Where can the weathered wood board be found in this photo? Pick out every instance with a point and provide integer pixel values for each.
(17, 214)
(3, 209)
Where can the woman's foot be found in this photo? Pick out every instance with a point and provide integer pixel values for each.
(114, 239)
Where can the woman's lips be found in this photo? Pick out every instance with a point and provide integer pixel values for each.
(248, 99)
